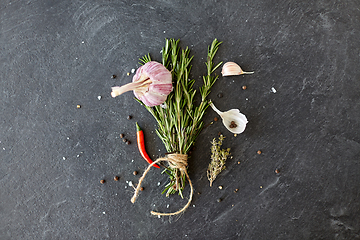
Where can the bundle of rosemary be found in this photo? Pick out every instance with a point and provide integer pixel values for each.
(179, 120)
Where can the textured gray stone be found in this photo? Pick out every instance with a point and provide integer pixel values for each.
(57, 54)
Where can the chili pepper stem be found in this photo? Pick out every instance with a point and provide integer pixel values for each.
(137, 127)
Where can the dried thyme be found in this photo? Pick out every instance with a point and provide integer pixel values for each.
(218, 159)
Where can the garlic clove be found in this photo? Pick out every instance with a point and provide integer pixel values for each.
(231, 69)
(233, 120)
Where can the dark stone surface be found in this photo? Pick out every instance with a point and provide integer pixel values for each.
(57, 54)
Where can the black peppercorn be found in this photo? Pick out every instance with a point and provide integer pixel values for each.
(113, 76)
(220, 95)
(128, 142)
(219, 200)
(129, 117)
(233, 124)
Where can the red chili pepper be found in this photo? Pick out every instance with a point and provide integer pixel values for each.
(141, 145)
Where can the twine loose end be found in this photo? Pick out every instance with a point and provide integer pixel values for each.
(176, 161)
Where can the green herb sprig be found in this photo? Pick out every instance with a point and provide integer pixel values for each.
(179, 119)
(218, 159)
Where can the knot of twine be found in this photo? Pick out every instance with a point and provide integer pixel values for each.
(177, 161)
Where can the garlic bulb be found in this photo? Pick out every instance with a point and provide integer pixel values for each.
(233, 119)
(231, 68)
(151, 83)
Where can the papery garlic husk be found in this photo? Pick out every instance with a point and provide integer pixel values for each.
(151, 83)
(231, 69)
(234, 115)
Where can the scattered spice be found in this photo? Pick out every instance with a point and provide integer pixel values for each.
(113, 76)
(244, 87)
(128, 74)
(135, 172)
(215, 119)
(219, 200)
(116, 178)
(102, 181)
(78, 106)
(232, 124)
(236, 190)
(124, 140)
(129, 117)
(277, 171)
(220, 187)
(220, 95)
(122, 135)
(128, 142)
(142, 189)
(259, 152)
(218, 158)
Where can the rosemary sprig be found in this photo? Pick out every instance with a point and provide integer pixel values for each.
(179, 120)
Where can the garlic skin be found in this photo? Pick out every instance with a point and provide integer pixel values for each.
(151, 83)
(233, 119)
(231, 69)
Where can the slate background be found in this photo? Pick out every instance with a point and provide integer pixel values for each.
(57, 54)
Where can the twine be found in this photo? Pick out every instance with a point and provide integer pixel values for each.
(178, 161)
